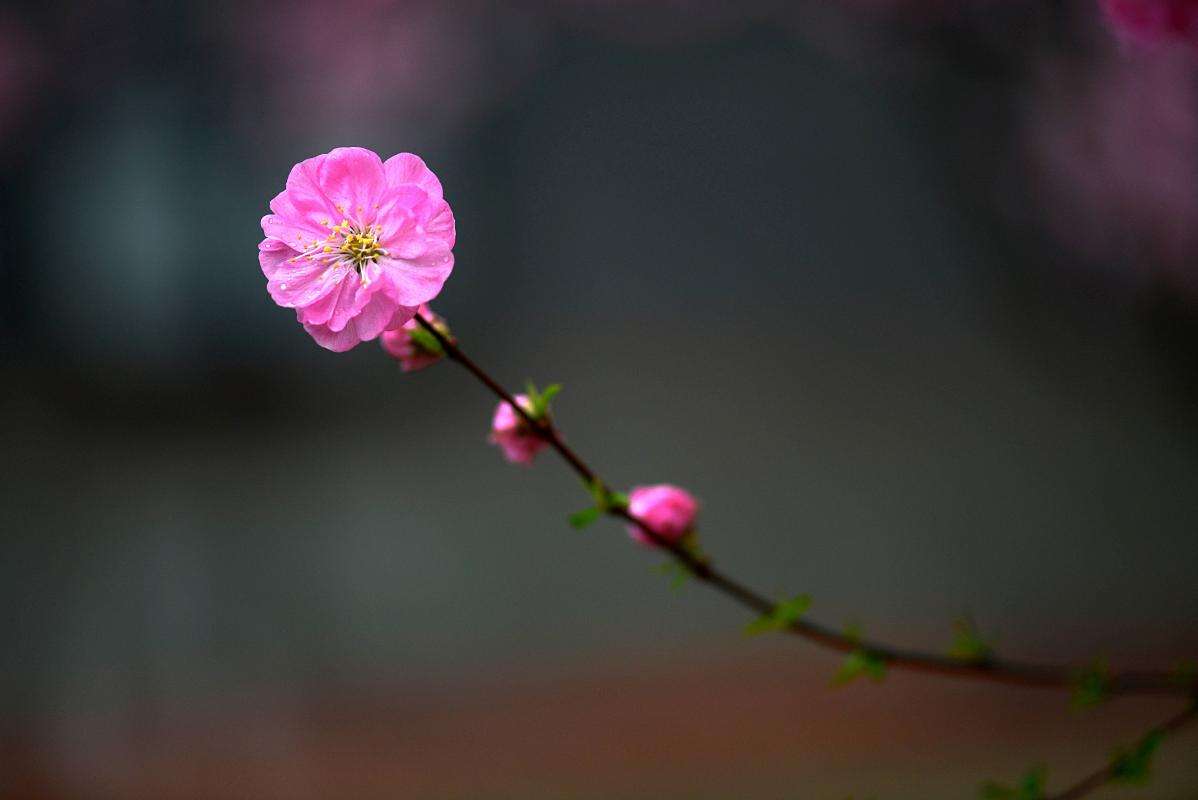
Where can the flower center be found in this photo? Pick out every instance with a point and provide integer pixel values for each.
(348, 244)
(359, 244)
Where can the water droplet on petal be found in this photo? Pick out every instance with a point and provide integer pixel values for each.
(283, 286)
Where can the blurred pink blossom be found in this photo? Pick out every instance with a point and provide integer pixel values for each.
(666, 510)
(1113, 144)
(513, 435)
(1153, 21)
(413, 352)
(20, 72)
(372, 65)
(355, 245)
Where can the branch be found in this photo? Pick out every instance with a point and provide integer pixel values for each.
(1115, 771)
(988, 668)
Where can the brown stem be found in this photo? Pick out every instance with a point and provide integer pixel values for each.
(996, 670)
(1099, 778)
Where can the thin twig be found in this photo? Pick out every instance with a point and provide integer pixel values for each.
(1109, 773)
(992, 669)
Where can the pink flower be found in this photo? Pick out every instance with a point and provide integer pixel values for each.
(513, 435)
(666, 510)
(412, 345)
(355, 245)
(1153, 21)
(1112, 146)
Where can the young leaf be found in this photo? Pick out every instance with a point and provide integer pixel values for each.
(1133, 764)
(1030, 787)
(1185, 674)
(597, 491)
(539, 401)
(858, 664)
(581, 519)
(1091, 685)
(551, 391)
(781, 616)
(967, 645)
(678, 573)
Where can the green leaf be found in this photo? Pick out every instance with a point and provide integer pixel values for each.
(781, 616)
(425, 341)
(991, 790)
(1091, 686)
(967, 644)
(539, 401)
(860, 664)
(1134, 764)
(1030, 787)
(605, 499)
(551, 391)
(679, 574)
(1185, 674)
(597, 491)
(581, 519)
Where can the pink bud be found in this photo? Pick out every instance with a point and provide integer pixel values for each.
(412, 353)
(666, 510)
(519, 443)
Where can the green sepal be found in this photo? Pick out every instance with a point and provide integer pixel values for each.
(426, 341)
(781, 616)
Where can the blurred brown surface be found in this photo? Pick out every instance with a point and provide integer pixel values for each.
(757, 726)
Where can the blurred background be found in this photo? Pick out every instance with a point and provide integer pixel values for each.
(905, 292)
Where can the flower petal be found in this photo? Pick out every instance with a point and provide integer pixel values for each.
(272, 256)
(299, 222)
(379, 315)
(418, 280)
(304, 199)
(353, 177)
(301, 283)
(408, 168)
(337, 341)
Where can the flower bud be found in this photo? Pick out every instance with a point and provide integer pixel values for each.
(413, 346)
(513, 435)
(666, 510)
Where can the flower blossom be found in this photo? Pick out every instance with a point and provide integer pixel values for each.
(666, 510)
(413, 346)
(355, 245)
(512, 433)
(1153, 22)
(1112, 146)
